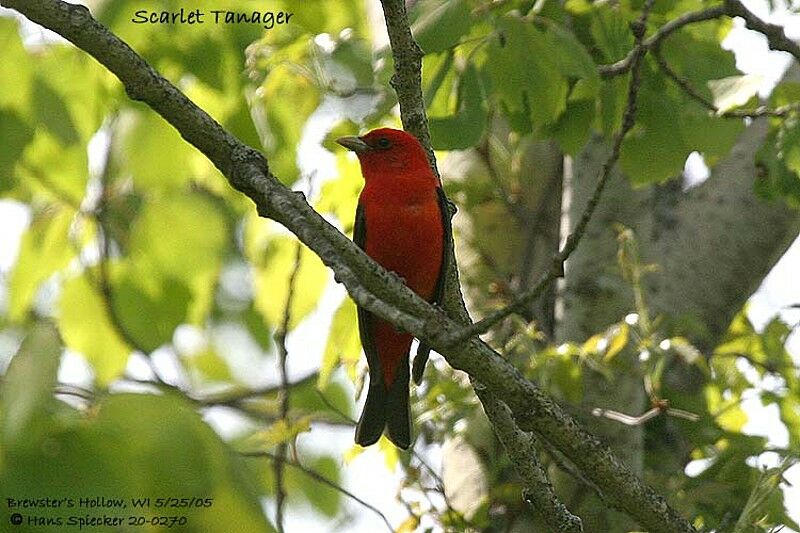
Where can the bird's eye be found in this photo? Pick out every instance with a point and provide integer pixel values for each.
(383, 142)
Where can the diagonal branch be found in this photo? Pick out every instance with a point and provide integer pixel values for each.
(694, 94)
(775, 35)
(624, 65)
(521, 449)
(369, 285)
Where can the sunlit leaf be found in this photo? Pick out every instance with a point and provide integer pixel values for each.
(732, 92)
(27, 389)
(180, 238)
(272, 279)
(524, 71)
(155, 154)
(85, 326)
(344, 346)
(44, 250)
(282, 431)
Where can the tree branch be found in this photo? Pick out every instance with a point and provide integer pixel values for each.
(370, 285)
(694, 94)
(284, 390)
(521, 449)
(624, 65)
(775, 35)
(407, 79)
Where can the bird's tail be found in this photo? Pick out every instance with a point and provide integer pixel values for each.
(387, 409)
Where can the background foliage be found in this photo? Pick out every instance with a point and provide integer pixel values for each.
(142, 266)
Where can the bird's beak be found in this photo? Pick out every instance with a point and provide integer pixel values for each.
(351, 142)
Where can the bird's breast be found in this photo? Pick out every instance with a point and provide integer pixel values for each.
(406, 237)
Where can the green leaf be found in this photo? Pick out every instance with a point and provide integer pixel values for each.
(322, 498)
(272, 281)
(149, 306)
(574, 127)
(322, 16)
(183, 235)
(27, 391)
(611, 33)
(613, 97)
(60, 172)
(209, 365)
(85, 326)
(785, 93)
(17, 134)
(524, 72)
(182, 238)
(282, 431)
(790, 415)
(734, 91)
(466, 126)
(441, 27)
(53, 112)
(708, 60)
(655, 149)
(573, 59)
(339, 196)
(141, 446)
(44, 250)
(344, 345)
(16, 81)
(779, 161)
(617, 337)
(156, 155)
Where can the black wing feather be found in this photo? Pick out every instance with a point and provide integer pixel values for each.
(373, 417)
(423, 350)
(365, 317)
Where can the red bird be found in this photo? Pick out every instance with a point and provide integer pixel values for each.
(402, 222)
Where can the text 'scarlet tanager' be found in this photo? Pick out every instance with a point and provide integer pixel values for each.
(402, 223)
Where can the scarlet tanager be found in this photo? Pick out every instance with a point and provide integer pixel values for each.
(402, 222)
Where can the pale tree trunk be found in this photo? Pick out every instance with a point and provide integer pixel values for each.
(713, 244)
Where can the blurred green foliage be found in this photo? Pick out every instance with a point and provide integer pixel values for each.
(138, 243)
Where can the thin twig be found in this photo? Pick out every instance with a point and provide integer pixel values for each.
(235, 398)
(694, 94)
(316, 476)
(514, 207)
(284, 389)
(624, 65)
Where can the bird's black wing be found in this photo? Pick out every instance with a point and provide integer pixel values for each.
(365, 317)
(423, 351)
(373, 417)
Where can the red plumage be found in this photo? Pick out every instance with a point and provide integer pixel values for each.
(402, 223)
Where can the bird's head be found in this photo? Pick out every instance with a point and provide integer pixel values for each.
(388, 152)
